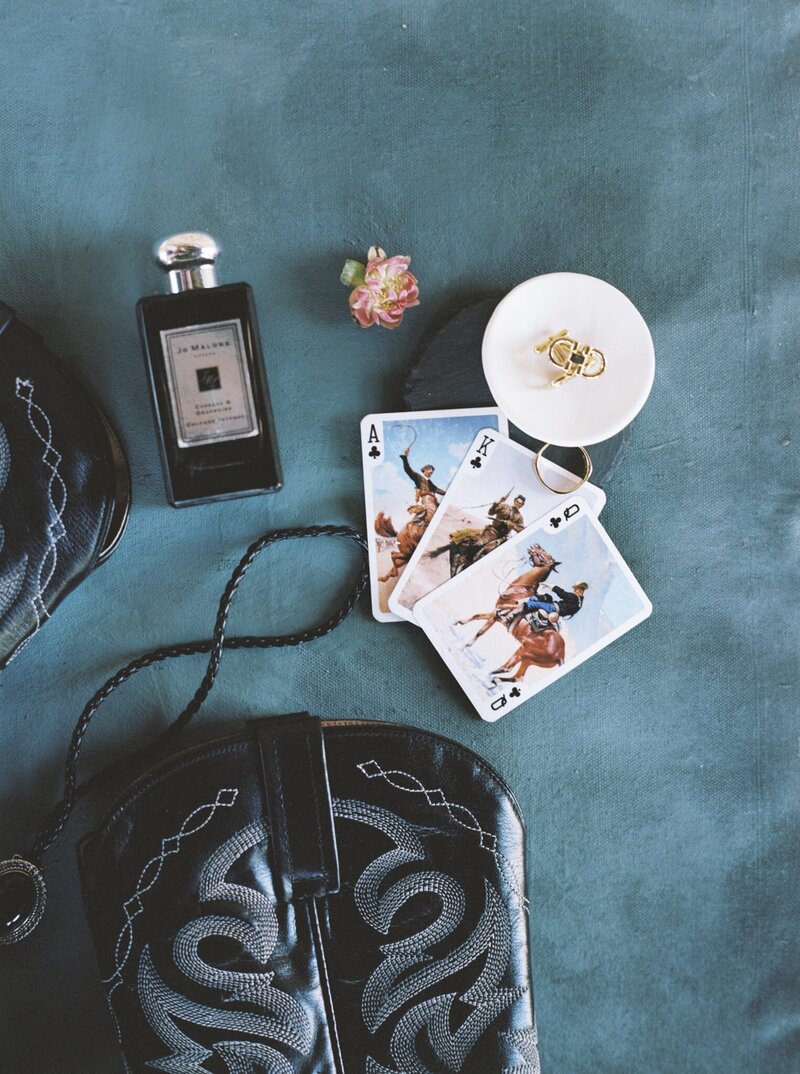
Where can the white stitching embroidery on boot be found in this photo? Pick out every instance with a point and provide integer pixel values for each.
(460, 814)
(278, 1016)
(409, 969)
(150, 873)
(56, 494)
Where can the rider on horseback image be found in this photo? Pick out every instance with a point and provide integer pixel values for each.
(423, 482)
(544, 612)
(506, 519)
(469, 544)
(423, 509)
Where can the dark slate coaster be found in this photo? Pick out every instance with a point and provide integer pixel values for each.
(448, 373)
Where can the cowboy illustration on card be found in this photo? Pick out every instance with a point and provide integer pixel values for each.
(527, 613)
(539, 645)
(421, 510)
(409, 460)
(469, 544)
(489, 501)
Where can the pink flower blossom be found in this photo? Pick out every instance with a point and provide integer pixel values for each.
(385, 289)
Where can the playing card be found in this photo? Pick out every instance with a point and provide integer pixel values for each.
(494, 495)
(586, 598)
(409, 460)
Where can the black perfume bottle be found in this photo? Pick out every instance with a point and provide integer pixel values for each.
(207, 381)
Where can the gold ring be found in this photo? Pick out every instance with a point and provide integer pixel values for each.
(563, 492)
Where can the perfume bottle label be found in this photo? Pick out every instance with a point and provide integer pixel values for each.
(209, 383)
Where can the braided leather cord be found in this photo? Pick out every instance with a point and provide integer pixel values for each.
(57, 818)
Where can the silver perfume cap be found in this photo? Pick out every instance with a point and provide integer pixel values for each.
(188, 259)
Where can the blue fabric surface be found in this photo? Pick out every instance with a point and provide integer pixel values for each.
(651, 143)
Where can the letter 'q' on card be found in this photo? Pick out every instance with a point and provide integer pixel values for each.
(409, 460)
(534, 609)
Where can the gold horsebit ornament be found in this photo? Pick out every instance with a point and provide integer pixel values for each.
(575, 360)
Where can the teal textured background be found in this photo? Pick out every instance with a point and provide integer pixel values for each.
(652, 143)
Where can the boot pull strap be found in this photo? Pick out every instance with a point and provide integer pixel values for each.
(298, 800)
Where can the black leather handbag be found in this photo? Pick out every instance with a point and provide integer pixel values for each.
(311, 898)
(64, 484)
(303, 897)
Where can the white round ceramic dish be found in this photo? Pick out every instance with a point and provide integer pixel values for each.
(581, 411)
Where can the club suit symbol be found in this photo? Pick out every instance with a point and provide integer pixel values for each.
(374, 452)
(515, 692)
(476, 463)
(555, 522)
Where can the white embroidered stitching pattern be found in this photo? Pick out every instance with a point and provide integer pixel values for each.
(55, 528)
(278, 1018)
(391, 984)
(437, 798)
(5, 457)
(14, 576)
(408, 968)
(164, 1008)
(256, 931)
(241, 1057)
(132, 907)
(525, 1042)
